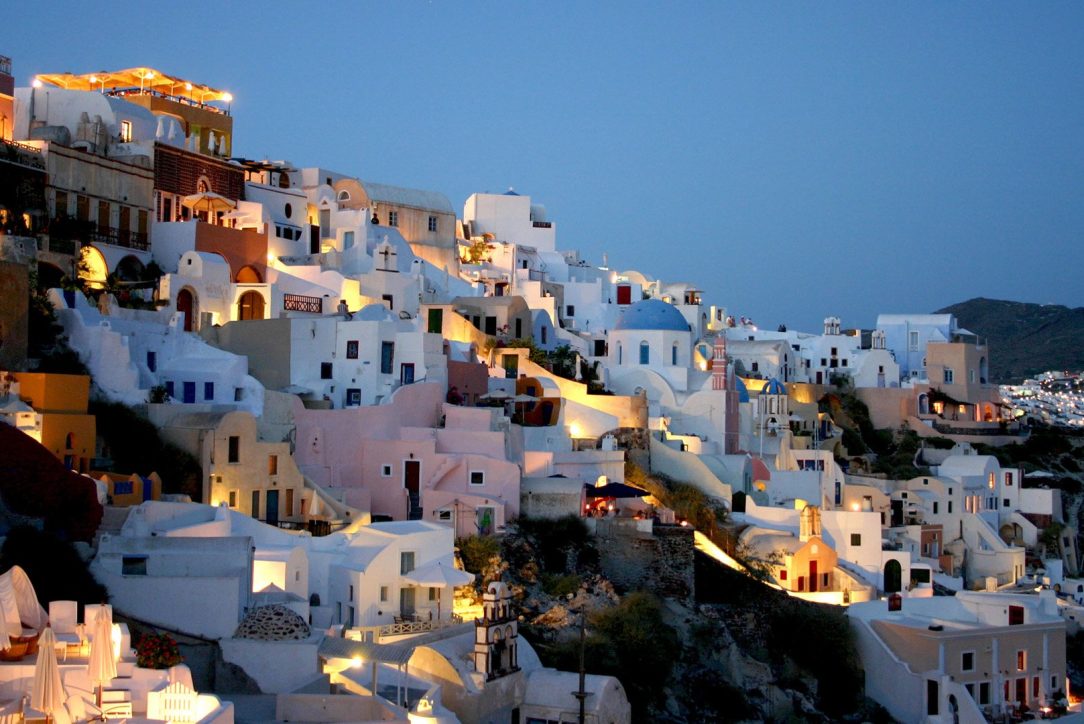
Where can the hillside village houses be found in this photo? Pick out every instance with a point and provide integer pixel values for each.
(348, 361)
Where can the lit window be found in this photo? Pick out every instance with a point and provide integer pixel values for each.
(125, 131)
(1021, 660)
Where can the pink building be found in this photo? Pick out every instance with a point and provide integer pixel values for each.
(400, 461)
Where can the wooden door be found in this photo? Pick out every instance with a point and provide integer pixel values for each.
(412, 473)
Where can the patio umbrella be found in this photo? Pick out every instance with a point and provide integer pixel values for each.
(102, 667)
(613, 490)
(47, 692)
(439, 575)
(208, 201)
(495, 395)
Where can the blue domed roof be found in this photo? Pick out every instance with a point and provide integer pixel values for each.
(743, 391)
(774, 387)
(652, 314)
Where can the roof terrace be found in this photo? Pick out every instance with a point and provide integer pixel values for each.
(144, 82)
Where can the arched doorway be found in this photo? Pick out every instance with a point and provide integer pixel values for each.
(893, 575)
(249, 275)
(186, 303)
(250, 306)
(923, 404)
(130, 269)
(92, 267)
(49, 275)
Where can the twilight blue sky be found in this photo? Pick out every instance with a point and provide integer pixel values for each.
(793, 160)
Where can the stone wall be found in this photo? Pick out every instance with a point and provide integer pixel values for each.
(659, 559)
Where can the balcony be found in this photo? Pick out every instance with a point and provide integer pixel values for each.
(301, 303)
(21, 154)
(64, 233)
(183, 100)
(119, 237)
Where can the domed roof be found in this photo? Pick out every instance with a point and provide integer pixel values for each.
(273, 623)
(743, 391)
(774, 387)
(373, 313)
(652, 314)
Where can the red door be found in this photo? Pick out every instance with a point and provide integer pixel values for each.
(184, 304)
(812, 576)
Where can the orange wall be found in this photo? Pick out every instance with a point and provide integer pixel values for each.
(55, 428)
(47, 392)
(240, 247)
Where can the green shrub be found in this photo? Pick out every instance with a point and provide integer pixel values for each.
(561, 586)
(477, 551)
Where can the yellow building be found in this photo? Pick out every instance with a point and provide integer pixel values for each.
(128, 490)
(62, 424)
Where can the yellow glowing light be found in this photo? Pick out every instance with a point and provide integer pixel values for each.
(36, 83)
(188, 86)
(855, 507)
(574, 430)
(270, 258)
(93, 79)
(228, 97)
(356, 662)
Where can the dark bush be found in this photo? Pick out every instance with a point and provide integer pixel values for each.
(54, 567)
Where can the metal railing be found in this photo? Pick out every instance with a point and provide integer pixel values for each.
(119, 237)
(122, 92)
(21, 154)
(301, 303)
(411, 626)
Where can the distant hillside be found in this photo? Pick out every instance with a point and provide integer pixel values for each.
(1024, 339)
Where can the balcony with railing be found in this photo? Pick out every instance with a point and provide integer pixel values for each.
(119, 237)
(21, 154)
(301, 303)
(65, 233)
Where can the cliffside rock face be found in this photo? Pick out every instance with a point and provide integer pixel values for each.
(660, 561)
(1025, 339)
(34, 483)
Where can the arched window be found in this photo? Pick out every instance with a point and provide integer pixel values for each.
(645, 353)
(344, 195)
(674, 354)
(289, 209)
(284, 180)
